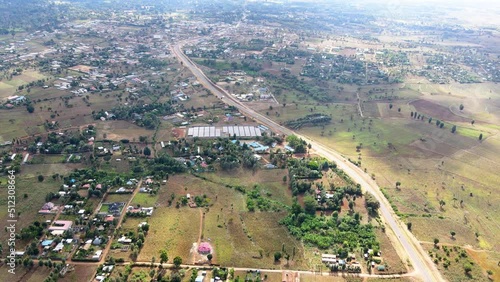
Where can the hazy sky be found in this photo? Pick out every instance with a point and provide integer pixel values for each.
(475, 3)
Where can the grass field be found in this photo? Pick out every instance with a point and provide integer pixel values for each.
(269, 181)
(35, 274)
(9, 87)
(81, 273)
(236, 235)
(144, 200)
(455, 271)
(432, 164)
(119, 129)
(111, 198)
(174, 230)
(27, 206)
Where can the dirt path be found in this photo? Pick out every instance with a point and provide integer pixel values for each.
(359, 105)
(200, 233)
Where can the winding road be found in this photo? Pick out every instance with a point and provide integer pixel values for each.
(416, 255)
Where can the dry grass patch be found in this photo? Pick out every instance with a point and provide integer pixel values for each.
(172, 229)
(120, 129)
(81, 273)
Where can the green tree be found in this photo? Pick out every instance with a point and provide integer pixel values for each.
(30, 108)
(467, 267)
(441, 203)
(277, 256)
(436, 241)
(480, 137)
(452, 233)
(454, 129)
(177, 261)
(147, 151)
(310, 204)
(351, 205)
(163, 256)
(461, 107)
(209, 257)
(409, 225)
(40, 178)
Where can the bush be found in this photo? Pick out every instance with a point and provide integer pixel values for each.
(277, 256)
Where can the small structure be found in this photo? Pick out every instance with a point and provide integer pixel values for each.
(47, 243)
(48, 207)
(204, 248)
(59, 247)
(97, 255)
(124, 240)
(328, 259)
(61, 225)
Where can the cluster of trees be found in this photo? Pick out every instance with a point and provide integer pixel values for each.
(57, 144)
(309, 120)
(310, 90)
(255, 199)
(301, 171)
(164, 163)
(34, 230)
(144, 115)
(298, 144)
(346, 233)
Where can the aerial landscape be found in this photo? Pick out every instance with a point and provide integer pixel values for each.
(249, 140)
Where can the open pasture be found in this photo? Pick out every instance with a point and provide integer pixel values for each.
(172, 229)
(119, 129)
(9, 87)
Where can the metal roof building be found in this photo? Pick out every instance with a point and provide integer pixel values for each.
(224, 131)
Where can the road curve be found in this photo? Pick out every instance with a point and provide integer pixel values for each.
(417, 256)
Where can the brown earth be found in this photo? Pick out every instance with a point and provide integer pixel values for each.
(436, 111)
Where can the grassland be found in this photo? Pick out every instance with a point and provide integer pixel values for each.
(9, 87)
(35, 274)
(457, 258)
(238, 237)
(174, 230)
(27, 206)
(79, 274)
(119, 129)
(433, 164)
(270, 182)
(144, 200)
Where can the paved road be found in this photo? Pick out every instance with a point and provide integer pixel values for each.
(418, 258)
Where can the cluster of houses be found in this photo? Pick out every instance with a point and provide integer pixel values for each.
(148, 186)
(95, 245)
(49, 208)
(335, 263)
(101, 150)
(104, 273)
(14, 100)
(56, 245)
(148, 211)
(261, 93)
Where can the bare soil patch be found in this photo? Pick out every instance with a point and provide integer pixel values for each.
(436, 111)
